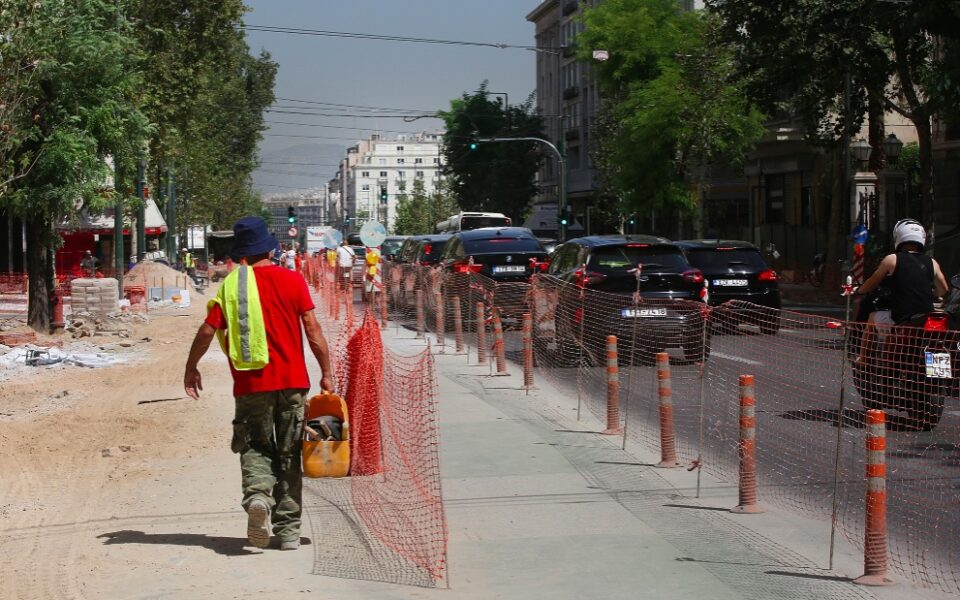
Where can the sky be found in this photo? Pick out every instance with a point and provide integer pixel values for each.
(424, 77)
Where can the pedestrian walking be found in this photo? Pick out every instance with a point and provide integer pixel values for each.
(345, 258)
(257, 316)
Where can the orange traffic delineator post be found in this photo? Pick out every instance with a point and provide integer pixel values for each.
(613, 388)
(420, 322)
(668, 436)
(481, 334)
(527, 351)
(499, 352)
(440, 323)
(457, 325)
(875, 532)
(383, 308)
(747, 448)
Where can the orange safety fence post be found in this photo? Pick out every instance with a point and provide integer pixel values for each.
(440, 324)
(457, 324)
(335, 300)
(613, 388)
(348, 300)
(875, 532)
(420, 321)
(481, 334)
(668, 437)
(383, 308)
(747, 448)
(527, 352)
(498, 343)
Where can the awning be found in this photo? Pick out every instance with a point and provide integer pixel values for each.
(102, 224)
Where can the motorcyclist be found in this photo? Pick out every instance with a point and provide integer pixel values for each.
(912, 278)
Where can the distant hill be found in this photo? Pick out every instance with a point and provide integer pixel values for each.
(302, 166)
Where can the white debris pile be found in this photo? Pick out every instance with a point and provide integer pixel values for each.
(33, 356)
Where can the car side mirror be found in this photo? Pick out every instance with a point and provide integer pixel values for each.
(955, 281)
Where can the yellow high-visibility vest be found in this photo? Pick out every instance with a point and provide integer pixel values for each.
(239, 300)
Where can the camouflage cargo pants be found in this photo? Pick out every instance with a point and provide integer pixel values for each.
(266, 435)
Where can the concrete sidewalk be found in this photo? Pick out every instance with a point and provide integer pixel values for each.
(539, 505)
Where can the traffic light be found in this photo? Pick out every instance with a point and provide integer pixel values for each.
(291, 215)
(474, 145)
(383, 194)
(563, 221)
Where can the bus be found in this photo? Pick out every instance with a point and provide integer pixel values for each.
(472, 220)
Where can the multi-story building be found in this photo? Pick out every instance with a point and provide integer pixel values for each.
(310, 206)
(379, 171)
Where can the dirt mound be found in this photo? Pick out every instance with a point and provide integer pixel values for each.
(155, 274)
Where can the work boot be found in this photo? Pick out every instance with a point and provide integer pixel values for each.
(292, 544)
(258, 523)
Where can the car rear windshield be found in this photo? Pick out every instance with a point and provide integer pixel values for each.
(616, 259)
(391, 246)
(502, 244)
(431, 250)
(713, 259)
(478, 222)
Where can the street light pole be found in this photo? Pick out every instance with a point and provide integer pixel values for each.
(562, 164)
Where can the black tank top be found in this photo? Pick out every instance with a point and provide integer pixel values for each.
(911, 285)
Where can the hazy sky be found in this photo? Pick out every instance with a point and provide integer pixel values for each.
(384, 73)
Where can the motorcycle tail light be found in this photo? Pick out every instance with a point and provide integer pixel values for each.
(768, 275)
(693, 276)
(935, 323)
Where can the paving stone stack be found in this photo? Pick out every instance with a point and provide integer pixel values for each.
(94, 296)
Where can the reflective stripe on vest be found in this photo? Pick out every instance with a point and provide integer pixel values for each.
(239, 300)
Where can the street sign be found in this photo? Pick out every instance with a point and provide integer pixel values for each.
(292, 232)
(332, 238)
(372, 234)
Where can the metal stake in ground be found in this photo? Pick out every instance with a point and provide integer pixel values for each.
(668, 438)
(875, 532)
(613, 389)
(481, 334)
(420, 321)
(498, 343)
(848, 292)
(440, 324)
(747, 448)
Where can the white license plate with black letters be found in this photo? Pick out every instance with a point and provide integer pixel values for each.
(644, 312)
(937, 364)
(730, 283)
(509, 269)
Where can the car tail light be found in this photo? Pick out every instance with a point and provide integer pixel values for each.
(586, 278)
(536, 265)
(638, 245)
(466, 267)
(509, 221)
(768, 275)
(428, 249)
(425, 263)
(693, 276)
(935, 322)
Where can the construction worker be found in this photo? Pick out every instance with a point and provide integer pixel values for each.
(257, 315)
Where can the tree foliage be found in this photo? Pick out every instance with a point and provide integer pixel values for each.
(673, 104)
(493, 177)
(419, 212)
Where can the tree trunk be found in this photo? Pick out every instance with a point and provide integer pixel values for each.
(39, 272)
(925, 141)
(875, 113)
(838, 202)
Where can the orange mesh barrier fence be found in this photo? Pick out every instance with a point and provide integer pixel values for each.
(391, 512)
(814, 379)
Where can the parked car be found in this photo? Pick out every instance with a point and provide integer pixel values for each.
(655, 319)
(416, 251)
(391, 246)
(735, 270)
(549, 244)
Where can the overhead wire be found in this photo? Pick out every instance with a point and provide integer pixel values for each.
(386, 38)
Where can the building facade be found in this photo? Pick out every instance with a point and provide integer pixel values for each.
(310, 206)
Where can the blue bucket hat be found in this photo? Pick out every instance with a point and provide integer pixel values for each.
(251, 238)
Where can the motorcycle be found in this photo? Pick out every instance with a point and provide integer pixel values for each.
(911, 367)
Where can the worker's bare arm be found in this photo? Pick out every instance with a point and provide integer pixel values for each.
(319, 347)
(192, 382)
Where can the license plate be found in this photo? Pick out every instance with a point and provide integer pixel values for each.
(730, 283)
(509, 269)
(644, 312)
(938, 365)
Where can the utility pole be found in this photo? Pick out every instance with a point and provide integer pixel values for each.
(171, 215)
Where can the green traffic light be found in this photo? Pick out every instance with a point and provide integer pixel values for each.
(292, 219)
(473, 145)
(563, 221)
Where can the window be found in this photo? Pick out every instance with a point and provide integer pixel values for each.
(365, 174)
(383, 173)
(774, 198)
(366, 187)
(401, 161)
(399, 148)
(436, 161)
(420, 174)
(417, 161)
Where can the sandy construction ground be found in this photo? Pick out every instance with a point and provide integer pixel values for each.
(113, 484)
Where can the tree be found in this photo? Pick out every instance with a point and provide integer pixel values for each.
(491, 177)
(79, 105)
(674, 105)
(419, 212)
(897, 56)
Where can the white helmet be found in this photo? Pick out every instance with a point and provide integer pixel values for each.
(909, 230)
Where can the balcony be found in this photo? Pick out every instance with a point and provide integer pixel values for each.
(571, 92)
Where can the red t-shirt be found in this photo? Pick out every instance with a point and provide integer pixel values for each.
(284, 297)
